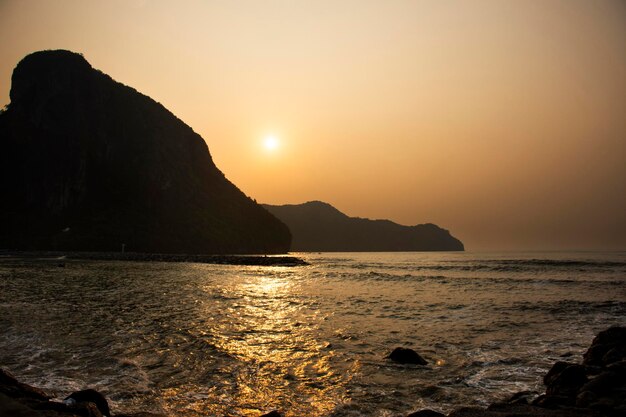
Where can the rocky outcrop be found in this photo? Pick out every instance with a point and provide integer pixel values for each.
(599, 383)
(405, 355)
(89, 164)
(89, 396)
(319, 227)
(426, 413)
(10, 386)
(608, 347)
(595, 388)
(273, 413)
(21, 400)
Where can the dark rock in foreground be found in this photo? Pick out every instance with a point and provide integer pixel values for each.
(273, 413)
(319, 227)
(426, 413)
(595, 388)
(89, 164)
(520, 410)
(404, 355)
(607, 347)
(21, 400)
(13, 388)
(566, 381)
(90, 396)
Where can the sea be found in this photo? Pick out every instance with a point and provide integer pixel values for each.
(190, 339)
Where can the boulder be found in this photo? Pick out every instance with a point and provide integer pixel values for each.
(603, 383)
(522, 397)
(405, 355)
(89, 396)
(585, 399)
(10, 386)
(607, 347)
(426, 413)
(567, 382)
(553, 401)
(520, 410)
(88, 409)
(556, 369)
(273, 413)
(615, 354)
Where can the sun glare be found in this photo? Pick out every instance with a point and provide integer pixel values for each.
(271, 143)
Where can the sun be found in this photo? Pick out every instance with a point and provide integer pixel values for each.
(271, 143)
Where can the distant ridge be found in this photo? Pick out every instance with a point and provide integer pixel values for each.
(89, 164)
(319, 227)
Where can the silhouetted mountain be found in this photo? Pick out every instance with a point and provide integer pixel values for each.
(319, 227)
(87, 163)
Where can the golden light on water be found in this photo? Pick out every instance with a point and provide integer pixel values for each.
(279, 361)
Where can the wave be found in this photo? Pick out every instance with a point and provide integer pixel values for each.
(477, 280)
(533, 265)
(569, 307)
(515, 265)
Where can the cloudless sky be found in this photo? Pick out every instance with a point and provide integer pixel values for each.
(502, 121)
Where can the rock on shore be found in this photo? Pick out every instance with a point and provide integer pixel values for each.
(404, 355)
(21, 400)
(594, 388)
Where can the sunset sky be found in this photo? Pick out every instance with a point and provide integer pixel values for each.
(502, 121)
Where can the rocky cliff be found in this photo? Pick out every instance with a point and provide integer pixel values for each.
(317, 226)
(87, 163)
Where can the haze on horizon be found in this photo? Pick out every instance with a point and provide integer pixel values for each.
(502, 121)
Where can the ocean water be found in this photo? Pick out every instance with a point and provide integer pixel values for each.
(196, 339)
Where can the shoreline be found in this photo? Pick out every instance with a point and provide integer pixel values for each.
(244, 260)
(593, 388)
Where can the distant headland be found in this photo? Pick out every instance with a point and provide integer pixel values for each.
(319, 227)
(89, 164)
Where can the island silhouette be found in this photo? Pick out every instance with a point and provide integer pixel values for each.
(90, 164)
(319, 227)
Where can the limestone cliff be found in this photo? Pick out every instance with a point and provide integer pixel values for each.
(87, 163)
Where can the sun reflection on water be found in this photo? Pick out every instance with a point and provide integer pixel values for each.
(271, 356)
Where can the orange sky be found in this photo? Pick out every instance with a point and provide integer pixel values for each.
(503, 121)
